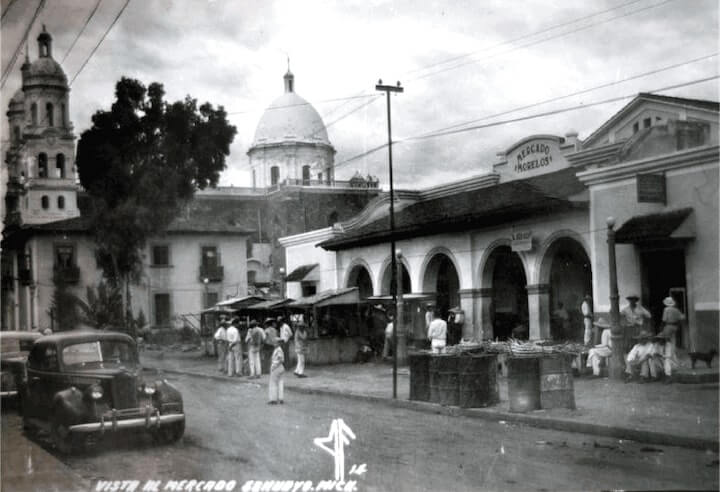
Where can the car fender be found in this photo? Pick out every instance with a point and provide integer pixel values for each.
(167, 393)
(69, 406)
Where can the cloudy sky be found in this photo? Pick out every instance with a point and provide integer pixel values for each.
(459, 61)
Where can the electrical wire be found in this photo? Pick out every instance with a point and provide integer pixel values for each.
(12, 2)
(99, 43)
(10, 66)
(82, 30)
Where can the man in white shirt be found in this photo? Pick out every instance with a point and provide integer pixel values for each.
(221, 344)
(286, 335)
(389, 328)
(587, 314)
(600, 352)
(254, 338)
(633, 318)
(437, 334)
(638, 360)
(234, 351)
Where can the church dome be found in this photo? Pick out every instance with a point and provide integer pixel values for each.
(290, 119)
(44, 71)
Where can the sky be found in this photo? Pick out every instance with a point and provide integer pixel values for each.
(458, 61)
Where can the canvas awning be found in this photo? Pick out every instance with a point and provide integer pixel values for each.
(239, 302)
(269, 304)
(350, 295)
(406, 297)
(304, 273)
(662, 226)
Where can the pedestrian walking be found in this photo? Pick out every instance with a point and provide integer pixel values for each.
(286, 335)
(672, 317)
(234, 351)
(271, 335)
(587, 314)
(277, 372)
(437, 333)
(254, 340)
(389, 328)
(221, 343)
(632, 318)
(301, 336)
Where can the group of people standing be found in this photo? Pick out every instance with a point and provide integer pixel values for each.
(649, 356)
(271, 343)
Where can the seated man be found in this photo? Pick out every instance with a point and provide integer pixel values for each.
(638, 358)
(601, 351)
(656, 360)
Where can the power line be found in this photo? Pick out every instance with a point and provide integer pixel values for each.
(446, 132)
(549, 38)
(99, 42)
(87, 21)
(585, 91)
(12, 2)
(526, 36)
(17, 50)
(336, 99)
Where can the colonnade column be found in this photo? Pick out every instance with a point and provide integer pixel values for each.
(539, 311)
(469, 304)
(484, 303)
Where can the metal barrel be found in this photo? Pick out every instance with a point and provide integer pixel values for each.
(556, 382)
(419, 363)
(524, 383)
(444, 381)
(478, 381)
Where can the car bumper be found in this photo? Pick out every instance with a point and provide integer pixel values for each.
(112, 424)
(8, 393)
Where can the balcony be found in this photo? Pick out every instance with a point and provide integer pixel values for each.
(213, 273)
(66, 274)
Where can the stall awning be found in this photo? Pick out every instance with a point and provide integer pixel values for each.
(240, 302)
(304, 273)
(406, 297)
(269, 304)
(350, 295)
(673, 224)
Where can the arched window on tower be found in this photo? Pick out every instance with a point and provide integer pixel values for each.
(274, 175)
(45, 202)
(33, 113)
(60, 165)
(42, 165)
(61, 202)
(49, 114)
(306, 175)
(63, 116)
(254, 179)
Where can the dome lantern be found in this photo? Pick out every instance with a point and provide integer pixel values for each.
(44, 44)
(289, 81)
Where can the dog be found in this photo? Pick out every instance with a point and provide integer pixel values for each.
(706, 357)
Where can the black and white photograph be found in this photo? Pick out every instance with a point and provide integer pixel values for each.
(359, 245)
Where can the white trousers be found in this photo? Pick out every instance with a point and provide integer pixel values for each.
(234, 359)
(669, 359)
(438, 346)
(254, 362)
(588, 336)
(222, 355)
(276, 386)
(300, 367)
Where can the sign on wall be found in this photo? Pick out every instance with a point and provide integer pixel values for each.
(535, 156)
(651, 188)
(521, 241)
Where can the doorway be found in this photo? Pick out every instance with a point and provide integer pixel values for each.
(663, 275)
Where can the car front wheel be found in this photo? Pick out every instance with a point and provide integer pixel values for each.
(61, 436)
(170, 433)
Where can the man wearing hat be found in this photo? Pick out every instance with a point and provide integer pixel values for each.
(672, 317)
(632, 319)
(601, 351)
(254, 340)
(638, 360)
(286, 335)
(234, 351)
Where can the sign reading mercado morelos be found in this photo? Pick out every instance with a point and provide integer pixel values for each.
(535, 155)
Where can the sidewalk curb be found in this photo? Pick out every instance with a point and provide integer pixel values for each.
(554, 423)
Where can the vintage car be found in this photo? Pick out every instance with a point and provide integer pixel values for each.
(83, 384)
(14, 349)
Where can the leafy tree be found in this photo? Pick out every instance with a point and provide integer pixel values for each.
(64, 308)
(141, 161)
(103, 309)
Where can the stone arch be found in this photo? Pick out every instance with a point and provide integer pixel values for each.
(383, 279)
(429, 257)
(545, 251)
(441, 275)
(358, 274)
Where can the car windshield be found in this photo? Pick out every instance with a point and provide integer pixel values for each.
(102, 352)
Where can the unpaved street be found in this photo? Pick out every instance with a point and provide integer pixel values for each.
(233, 434)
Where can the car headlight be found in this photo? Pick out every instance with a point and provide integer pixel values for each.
(149, 389)
(95, 391)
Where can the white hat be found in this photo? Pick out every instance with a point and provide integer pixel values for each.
(669, 301)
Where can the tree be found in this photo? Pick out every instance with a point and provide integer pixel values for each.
(140, 162)
(103, 309)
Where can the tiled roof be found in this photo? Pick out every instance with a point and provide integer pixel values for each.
(470, 209)
(700, 103)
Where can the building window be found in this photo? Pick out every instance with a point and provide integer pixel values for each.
(161, 255)
(306, 175)
(64, 256)
(320, 177)
(61, 202)
(33, 114)
(647, 122)
(162, 309)
(63, 116)
(274, 175)
(210, 299)
(210, 257)
(45, 202)
(308, 289)
(251, 276)
(49, 114)
(248, 248)
(636, 127)
(60, 165)
(42, 165)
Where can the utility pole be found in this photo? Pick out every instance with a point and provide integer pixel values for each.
(617, 362)
(387, 89)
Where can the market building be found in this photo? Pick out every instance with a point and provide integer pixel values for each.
(517, 248)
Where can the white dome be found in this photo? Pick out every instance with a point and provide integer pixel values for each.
(290, 118)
